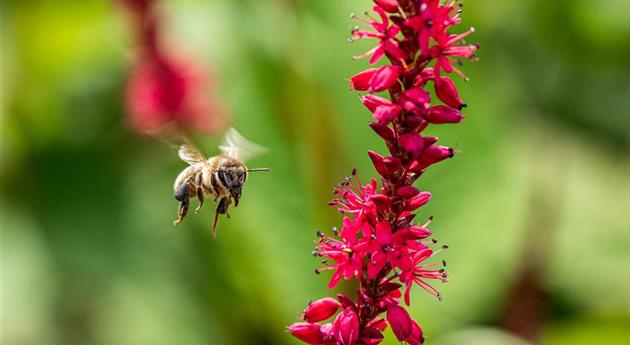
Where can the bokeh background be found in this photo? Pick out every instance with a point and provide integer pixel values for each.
(535, 209)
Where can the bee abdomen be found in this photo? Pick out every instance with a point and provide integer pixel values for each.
(182, 191)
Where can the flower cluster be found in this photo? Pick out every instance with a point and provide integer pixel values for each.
(379, 244)
(162, 90)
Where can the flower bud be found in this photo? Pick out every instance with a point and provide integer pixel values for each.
(385, 114)
(447, 92)
(383, 78)
(390, 6)
(306, 332)
(321, 309)
(381, 201)
(346, 327)
(415, 100)
(392, 164)
(361, 80)
(327, 334)
(372, 101)
(407, 191)
(417, 201)
(382, 130)
(411, 142)
(416, 337)
(377, 160)
(419, 232)
(400, 321)
(436, 153)
(443, 114)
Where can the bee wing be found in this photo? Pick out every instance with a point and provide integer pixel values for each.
(236, 146)
(189, 154)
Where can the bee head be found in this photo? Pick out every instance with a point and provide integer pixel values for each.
(233, 180)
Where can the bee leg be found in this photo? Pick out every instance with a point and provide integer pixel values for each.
(183, 209)
(182, 195)
(200, 197)
(221, 209)
(214, 223)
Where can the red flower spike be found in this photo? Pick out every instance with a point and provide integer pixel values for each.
(447, 92)
(400, 321)
(306, 332)
(321, 309)
(346, 327)
(378, 245)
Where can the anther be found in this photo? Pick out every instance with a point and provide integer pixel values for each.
(319, 234)
(445, 246)
(444, 263)
(354, 171)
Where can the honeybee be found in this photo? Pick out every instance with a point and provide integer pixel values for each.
(221, 176)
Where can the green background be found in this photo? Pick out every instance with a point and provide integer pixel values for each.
(541, 188)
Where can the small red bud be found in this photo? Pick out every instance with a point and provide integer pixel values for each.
(384, 114)
(377, 160)
(407, 191)
(417, 201)
(372, 101)
(415, 100)
(400, 321)
(383, 78)
(390, 6)
(321, 309)
(443, 114)
(361, 80)
(383, 131)
(306, 332)
(346, 327)
(411, 142)
(447, 92)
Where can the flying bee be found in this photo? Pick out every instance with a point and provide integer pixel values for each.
(221, 176)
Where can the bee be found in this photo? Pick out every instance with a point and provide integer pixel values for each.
(221, 177)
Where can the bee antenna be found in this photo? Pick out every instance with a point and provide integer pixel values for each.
(258, 169)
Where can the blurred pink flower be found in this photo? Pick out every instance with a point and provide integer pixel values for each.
(162, 90)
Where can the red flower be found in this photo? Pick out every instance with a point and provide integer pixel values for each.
(416, 272)
(347, 254)
(386, 35)
(161, 90)
(379, 244)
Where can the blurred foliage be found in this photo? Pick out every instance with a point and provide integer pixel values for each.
(88, 251)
